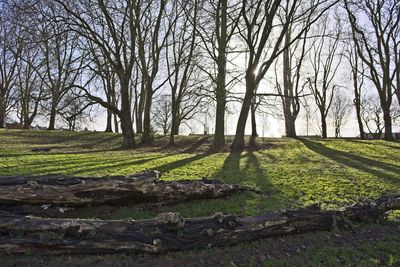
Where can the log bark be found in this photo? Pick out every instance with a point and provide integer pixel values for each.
(82, 191)
(171, 232)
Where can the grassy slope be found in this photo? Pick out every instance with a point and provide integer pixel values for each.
(294, 173)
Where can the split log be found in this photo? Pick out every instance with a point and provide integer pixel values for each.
(171, 232)
(81, 191)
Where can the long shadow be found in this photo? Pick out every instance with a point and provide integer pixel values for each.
(244, 168)
(50, 154)
(87, 145)
(51, 137)
(250, 172)
(193, 148)
(373, 143)
(380, 169)
(85, 166)
(120, 164)
(180, 163)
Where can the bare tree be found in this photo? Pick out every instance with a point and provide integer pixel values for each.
(293, 88)
(324, 64)
(372, 115)
(154, 21)
(10, 50)
(139, 100)
(63, 62)
(260, 26)
(110, 27)
(182, 65)
(357, 77)
(162, 114)
(107, 79)
(341, 106)
(375, 28)
(216, 28)
(30, 86)
(77, 110)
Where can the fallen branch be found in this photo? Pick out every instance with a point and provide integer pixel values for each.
(171, 232)
(81, 191)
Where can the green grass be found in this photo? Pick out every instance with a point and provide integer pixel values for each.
(293, 173)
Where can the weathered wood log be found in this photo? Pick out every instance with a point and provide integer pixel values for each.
(137, 188)
(171, 232)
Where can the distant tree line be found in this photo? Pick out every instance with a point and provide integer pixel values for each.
(155, 65)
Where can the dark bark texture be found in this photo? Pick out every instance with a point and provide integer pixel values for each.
(171, 232)
(81, 191)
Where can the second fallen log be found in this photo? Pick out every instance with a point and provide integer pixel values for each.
(171, 232)
(79, 191)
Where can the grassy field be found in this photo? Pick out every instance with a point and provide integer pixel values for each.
(292, 173)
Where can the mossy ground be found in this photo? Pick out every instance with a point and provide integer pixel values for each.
(292, 173)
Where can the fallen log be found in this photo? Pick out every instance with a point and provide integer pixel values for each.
(81, 191)
(171, 232)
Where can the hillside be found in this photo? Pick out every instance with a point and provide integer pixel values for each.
(291, 173)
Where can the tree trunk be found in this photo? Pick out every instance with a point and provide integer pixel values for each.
(290, 126)
(82, 191)
(147, 136)
(27, 120)
(323, 124)
(387, 118)
(52, 120)
(238, 141)
(324, 130)
(171, 232)
(219, 135)
(388, 124)
(2, 115)
(397, 91)
(174, 120)
(116, 127)
(289, 98)
(171, 136)
(359, 118)
(254, 134)
(26, 126)
(109, 122)
(139, 114)
(337, 132)
(357, 101)
(128, 135)
(178, 125)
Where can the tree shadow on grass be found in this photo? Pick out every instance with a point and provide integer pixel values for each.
(196, 145)
(49, 137)
(251, 172)
(84, 166)
(386, 171)
(180, 163)
(375, 143)
(244, 168)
